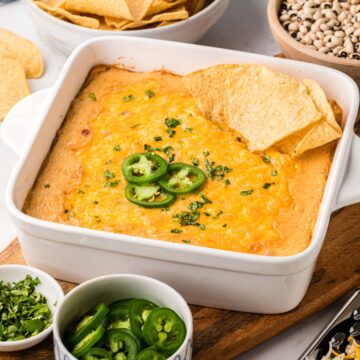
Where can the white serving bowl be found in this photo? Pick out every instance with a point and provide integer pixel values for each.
(48, 286)
(115, 287)
(66, 36)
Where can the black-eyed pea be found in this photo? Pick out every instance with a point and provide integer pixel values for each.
(328, 32)
(342, 16)
(357, 32)
(354, 39)
(320, 35)
(293, 26)
(327, 38)
(349, 48)
(284, 17)
(339, 34)
(349, 30)
(303, 29)
(307, 39)
(324, 50)
(355, 56)
(313, 36)
(345, 5)
(318, 44)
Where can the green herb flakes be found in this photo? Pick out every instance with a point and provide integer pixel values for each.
(108, 174)
(149, 93)
(218, 214)
(202, 227)
(157, 138)
(92, 96)
(246, 192)
(111, 183)
(172, 122)
(267, 159)
(95, 202)
(127, 98)
(117, 148)
(195, 162)
(267, 185)
(187, 129)
(186, 241)
(171, 132)
(79, 191)
(227, 182)
(23, 311)
(176, 231)
(107, 162)
(274, 173)
(46, 186)
(205, 199)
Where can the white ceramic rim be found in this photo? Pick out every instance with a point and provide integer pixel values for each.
(273, 14)
(47, 331)
(302, 259)
(139, 32)
(92, 282)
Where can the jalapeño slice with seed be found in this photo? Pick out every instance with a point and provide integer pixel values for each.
(144, 168)
(97, 353)
(149, 196)
(139, 310)
(182, 178)
(165, 330)
(123, 344)
(150, 353)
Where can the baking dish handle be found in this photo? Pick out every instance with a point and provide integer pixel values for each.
(21, 120)
(349, 192)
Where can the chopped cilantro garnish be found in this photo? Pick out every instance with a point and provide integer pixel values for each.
(111, 183)
(224, 225)
(202, 227)
(267, 159)
(246, 192)
(70, 215)
(107, 162)
(149, 93)
(171, 158)
(108, 174)
(165, 209)
(23, 311)
(176, 231)
(117, 148)
(95, 202)
(157, 138)
(92, 96)
(267, 185)
(79, 191)
(274, 173)
(171, 132)
(195, 205)
(167, 150)
(206, 153)
(206, 213)
(218, 214)
(46, 186)
(186, 241)
(227, 182)
(172, 122)
(149, 148)
(187, 129)
(217, 172)
(127, 98)
(195, 162)
(205, 199)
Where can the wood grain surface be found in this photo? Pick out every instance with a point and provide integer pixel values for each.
(222, 334)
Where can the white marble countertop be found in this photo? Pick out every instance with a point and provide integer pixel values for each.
(243, 27)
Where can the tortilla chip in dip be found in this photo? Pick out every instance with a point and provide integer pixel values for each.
(263, 105)
(13, 84)
(24, 51)
(323, 132)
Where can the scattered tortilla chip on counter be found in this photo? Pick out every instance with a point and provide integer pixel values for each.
(13, 84)
(81, 20)
(24, 50)
(265, 106)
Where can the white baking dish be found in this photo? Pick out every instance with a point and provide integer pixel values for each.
(204, 276)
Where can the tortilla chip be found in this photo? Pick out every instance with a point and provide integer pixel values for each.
(263, 105)
(13, 84)
(121, 9)
(179, 14)
(160, 6)
(81, 20)
(323, 132)
(208, 88)
(24, 50)
(194, 6)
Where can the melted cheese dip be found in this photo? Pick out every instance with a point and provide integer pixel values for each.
(267, 204)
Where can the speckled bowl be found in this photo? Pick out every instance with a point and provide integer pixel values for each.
(292, 49)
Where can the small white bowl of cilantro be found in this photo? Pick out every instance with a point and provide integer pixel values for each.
(28, 298)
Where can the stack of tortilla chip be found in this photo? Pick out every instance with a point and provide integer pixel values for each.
(121, 14)
(19, 59)
(266, 107)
